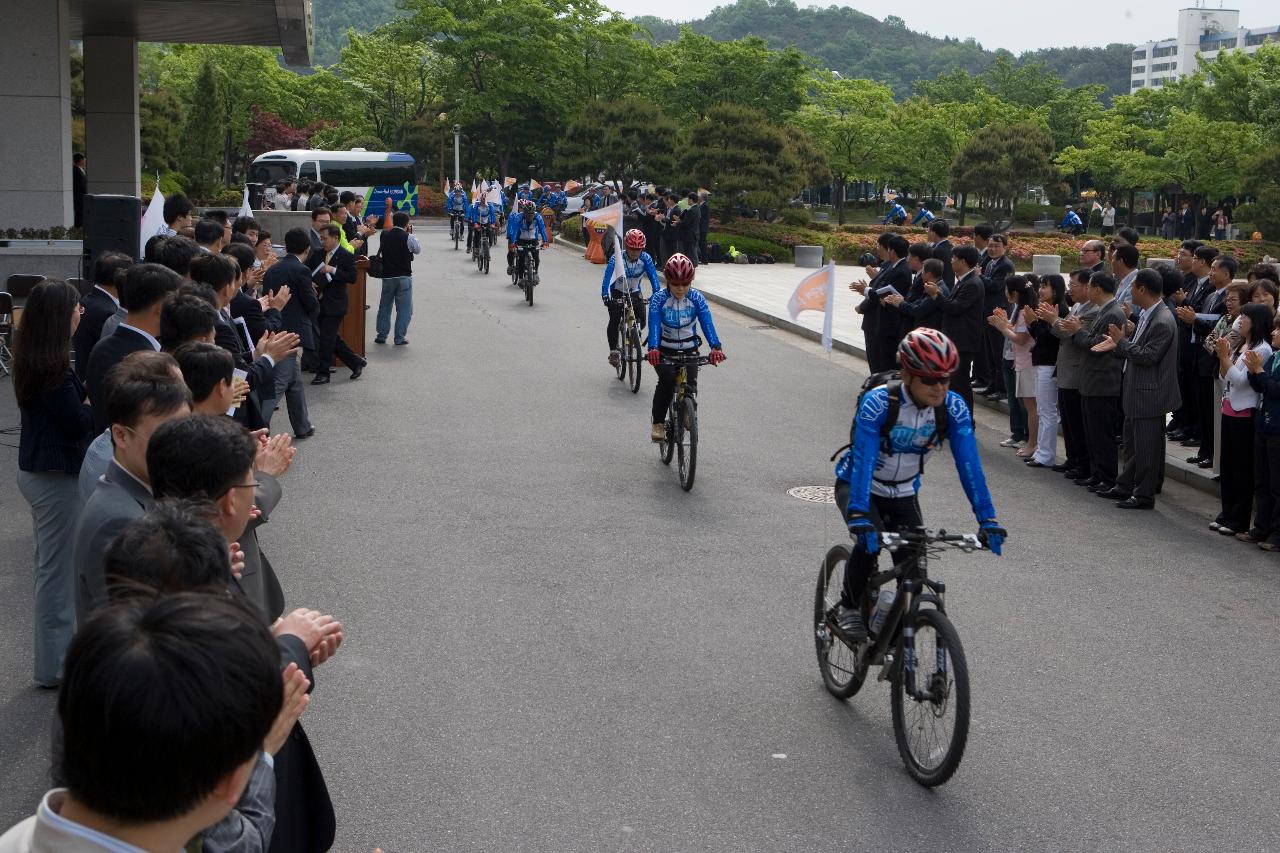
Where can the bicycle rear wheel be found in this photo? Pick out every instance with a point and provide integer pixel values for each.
(528, 287)
(485, 256)
(687, 445)
(842, 671)
(634, 358)
(931, 731)
(457, 234)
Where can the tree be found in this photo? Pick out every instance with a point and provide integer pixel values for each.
(744, 159)
(1204, 157)
(626, 139)
(159, 123)
(269, 132)
(1261, 176)
(396, 93)
(846, 121)
(699, 73)
(202, 133)
(1000, 162)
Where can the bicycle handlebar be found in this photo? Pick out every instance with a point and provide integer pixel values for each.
(967, 542)
(685, 359)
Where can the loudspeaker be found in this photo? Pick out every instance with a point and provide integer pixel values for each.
(112, 223)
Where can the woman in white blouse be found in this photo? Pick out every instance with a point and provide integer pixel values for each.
(1239, 403)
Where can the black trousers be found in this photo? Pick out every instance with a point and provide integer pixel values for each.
(1186, 418)
(882, 353)
(1237, 472)
(1143, 456)
(1206, 413)
(960, 379)
(1266, 485)
(689, 247)
(666, 389)
(995, 359)
(331, 344)
(533, 250)
(615, 314)
(888, 514)
(1102, 416)
(1073, 432)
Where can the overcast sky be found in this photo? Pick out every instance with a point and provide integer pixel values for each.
(1014, 26)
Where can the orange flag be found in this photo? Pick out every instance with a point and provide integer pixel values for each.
(817, 292)
(506, 182)
(534, 185)
(570, 186)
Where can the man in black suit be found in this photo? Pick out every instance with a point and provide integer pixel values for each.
(962, 315)
(886, 327)
(320, 217)
(332, 269)
(146, 288)
(1183, 426)
(297, 316)
(913, 307)
(994, 271)
(1093, 256)
(1220, 270)
(260, 315)
(98, 304)
(1100, 386)
(939, 235)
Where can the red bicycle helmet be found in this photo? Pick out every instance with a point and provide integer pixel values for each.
(635, 239)
(678, 269)
(526, 206)
(928, 352)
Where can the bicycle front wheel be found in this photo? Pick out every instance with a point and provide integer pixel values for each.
(457, 235)
(842, 672)
(528, 287)
(667, 449)
(634, 358)
(687, 444)
(930, 700)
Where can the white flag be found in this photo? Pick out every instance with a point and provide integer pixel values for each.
(153, 219)
(817, 292)
(611, 215)
(494, 196)
(245, 210)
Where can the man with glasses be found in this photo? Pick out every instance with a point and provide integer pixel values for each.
(1092, 256)
(896, 428)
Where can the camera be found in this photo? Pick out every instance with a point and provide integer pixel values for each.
(868, 259)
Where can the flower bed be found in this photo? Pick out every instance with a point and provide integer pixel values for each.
(850, 241)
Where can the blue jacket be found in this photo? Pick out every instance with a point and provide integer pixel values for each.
(922, 215)
(895, 212)
(909, 437)
(456, 203)
(1071, 220)
(473, 211)
(671, 326)
(635, 272)
(516, 224)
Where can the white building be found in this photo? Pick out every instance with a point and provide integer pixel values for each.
(1201, 33)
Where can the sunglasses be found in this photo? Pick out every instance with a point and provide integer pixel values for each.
(934, 380)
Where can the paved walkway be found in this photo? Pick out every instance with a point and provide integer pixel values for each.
(762, 291)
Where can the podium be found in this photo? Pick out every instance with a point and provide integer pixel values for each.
(352, 329)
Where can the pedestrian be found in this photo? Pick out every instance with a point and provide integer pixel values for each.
(1264, 377)
(57, 425)
(1019, 373)
(1239, 403)
(994, 271)
(1100, 375)
(1051, 307)
(1108, 219)
(397, 247)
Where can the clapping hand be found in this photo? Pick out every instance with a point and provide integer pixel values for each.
(1222, 347)
(892, 299)
(871, 271)
(237, 560)
(998, 319)
(1186, 314)
(1179, 296)
(1028, 315)
(931, 289)
(295, 702)
(275, 455)
(1107, 344)
(859, 287)
(1253, 360)
(239, 391)
(1046, 312)
(1115, 332)
(1071, 325)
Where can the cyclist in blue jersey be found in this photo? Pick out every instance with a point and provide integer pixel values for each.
(1071, 222)
(924, 216)
(524, 226)
(896, 428)
(637, 264)
(897, 215)
(674, 314)
(456, 206)
(481, 216)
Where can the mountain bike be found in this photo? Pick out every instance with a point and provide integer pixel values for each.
(631, 356)
(456, 229)
(682, 419)
(524, 276)
(483, 240)
(916, 647)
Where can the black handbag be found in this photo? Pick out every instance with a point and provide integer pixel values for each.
(375, 264)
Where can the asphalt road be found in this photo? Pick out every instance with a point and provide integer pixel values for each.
(551, 647)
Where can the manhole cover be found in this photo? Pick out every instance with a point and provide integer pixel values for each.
(814, 494)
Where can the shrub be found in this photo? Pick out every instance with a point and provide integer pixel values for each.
(750, 245)
(796, 216)
(1029, 212)
(572, 228)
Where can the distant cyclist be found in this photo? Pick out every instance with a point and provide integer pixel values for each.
(895, 429)
(482, 216)
(675, 313)
(637, 265)
(524, 227)
(456, 206)
(897, 215)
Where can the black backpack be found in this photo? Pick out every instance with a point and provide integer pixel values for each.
(892, 380)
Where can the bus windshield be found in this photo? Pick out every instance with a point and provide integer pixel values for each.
(272, 172)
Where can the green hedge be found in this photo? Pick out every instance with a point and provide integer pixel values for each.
(750, 245)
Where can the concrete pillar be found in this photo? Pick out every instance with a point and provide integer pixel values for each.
(35, 98)
(111, 138)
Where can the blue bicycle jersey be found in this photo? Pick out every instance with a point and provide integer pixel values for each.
(672, 321)
(635, 273)
(518, 229)
(870, 470)
(456, 203)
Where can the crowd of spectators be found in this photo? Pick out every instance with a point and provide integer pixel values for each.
(1126, 360)
(147, 458)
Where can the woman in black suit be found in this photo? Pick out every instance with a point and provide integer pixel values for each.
(57, 425)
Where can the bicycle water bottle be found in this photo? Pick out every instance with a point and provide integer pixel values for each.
(884, 603)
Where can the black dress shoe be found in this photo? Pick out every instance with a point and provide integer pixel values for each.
(359, 369)
(1114, 494)
(1135, 503)
(300, 436)
(1073, 474)
(1190, 442)
(1086, 481)
(320, 379)
(1101, 487)
(1195, 460)
(1205, 463)
(1060, 468)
